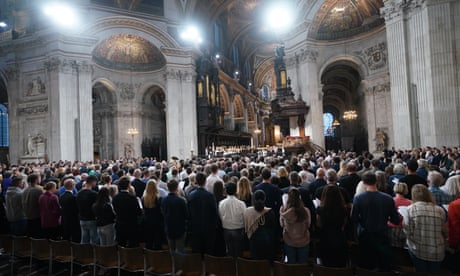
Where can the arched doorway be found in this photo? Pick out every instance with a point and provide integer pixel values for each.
(154, 123)
(104, 101)
(341, 81)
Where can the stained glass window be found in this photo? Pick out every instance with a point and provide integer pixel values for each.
(3, 126)
(328, 119)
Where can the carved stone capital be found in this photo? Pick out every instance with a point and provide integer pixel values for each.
(57, 64)
(180, 75)
(127, 90)
(378, 88)
(12, 72)
(392, 9)
(308, 55)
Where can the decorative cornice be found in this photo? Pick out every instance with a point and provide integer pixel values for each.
(378, 89)
(177, 74)
(304, 55)
(30, 110)
(176, 52)
(396, 8)
(55, 64)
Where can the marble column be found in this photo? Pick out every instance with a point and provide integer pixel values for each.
(181, 117)
(312, 94)
(399, 77)
(84, 147)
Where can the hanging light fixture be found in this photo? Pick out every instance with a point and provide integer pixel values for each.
(350, 115)
(132, 130)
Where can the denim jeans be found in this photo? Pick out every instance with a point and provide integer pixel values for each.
(89, 232)
(234, 241)
(106, 234)
(177, 245)
(296, 255)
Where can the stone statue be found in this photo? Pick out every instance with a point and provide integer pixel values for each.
(129, 151)
(380, 138)
(30, 145)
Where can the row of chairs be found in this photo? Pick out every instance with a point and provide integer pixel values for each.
(152, 262)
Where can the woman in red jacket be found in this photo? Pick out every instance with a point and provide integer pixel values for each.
(50, 211)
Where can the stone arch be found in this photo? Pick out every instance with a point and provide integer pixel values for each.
(102, 27)
(105, 126)
(238, 108)
(153, 121)
(349, 60)
(251, 113)
(224, 99)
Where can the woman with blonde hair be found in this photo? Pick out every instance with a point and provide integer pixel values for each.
(152, 222)
(244, 191)
(343, 168)
(426, 231)
(283, 175)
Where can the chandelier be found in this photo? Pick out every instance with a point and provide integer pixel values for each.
(350, 115)
(132, 131)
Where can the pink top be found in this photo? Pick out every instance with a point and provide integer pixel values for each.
(399, 201)
(50, 210)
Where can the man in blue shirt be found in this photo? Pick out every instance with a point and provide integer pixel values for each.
(371, 212)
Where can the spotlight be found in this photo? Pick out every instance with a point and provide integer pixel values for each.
(280, 16)
(61, 14)
(191, 34)
(3, 24)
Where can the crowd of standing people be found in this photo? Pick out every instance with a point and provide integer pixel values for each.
(273, 207)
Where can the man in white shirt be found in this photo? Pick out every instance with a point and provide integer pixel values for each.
(231, 212)
(212, 178)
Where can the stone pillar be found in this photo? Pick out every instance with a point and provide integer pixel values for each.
(84, 146)
(181, 117)
(399, 77)
(15, 148)
(425, 93)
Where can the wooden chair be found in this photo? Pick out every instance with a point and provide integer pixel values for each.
(20, 249)
(219, 266)
(364, 272)
(188, 264)
(40, 250)
(61, 252)
(131, 259)
(319, 270)
(248, 267)
(283, 269)
(6, 248)
(82, 255)
(106, 257)
(402, 260)
(158, 262)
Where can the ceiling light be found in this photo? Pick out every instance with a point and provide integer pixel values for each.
(191, 34)
(61, 14)
(280, 16)
(3, 24)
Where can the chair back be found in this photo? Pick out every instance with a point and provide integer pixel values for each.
(364, 272)
(21, 246)
(40, 249)
(188, 264)
(61, 251)
(253, 267)
(131, 259)
(82, 254)
(158, 262)
(106, 256)
(282, 269)
(319, 270)
(6, 242)
(220, 266)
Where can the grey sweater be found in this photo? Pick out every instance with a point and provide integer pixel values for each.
(13, 202)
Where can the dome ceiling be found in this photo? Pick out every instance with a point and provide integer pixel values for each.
(338, 19)
(128, 52)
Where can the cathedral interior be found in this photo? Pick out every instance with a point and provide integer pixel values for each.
(102, 79)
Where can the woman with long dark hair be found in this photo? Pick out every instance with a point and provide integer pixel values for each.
(295, 220)
(105, 217)
(331, 219)
(260, 226)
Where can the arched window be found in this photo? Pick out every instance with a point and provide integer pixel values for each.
(265, 95)
(328, 119)
(3, 126)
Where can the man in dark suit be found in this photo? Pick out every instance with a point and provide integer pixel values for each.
(203, 217)
(70, 218)
(128, 210)
(350, 180)
(272, 192)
